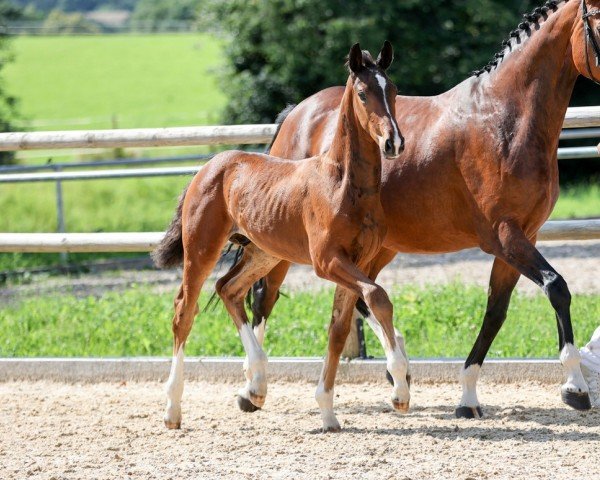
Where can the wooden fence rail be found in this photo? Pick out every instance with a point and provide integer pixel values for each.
(578, 117)
(145, 242)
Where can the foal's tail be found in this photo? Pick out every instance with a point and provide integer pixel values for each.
(169, 252)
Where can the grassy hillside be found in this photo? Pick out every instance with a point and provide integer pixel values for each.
(145, 80)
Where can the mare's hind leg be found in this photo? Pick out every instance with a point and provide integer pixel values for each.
(342, 271)
(202, 250)
(232, 289)
(520, 253)
(502, 283)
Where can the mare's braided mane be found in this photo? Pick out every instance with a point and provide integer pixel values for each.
(529, 19)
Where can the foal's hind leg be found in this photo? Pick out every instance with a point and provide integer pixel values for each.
(520, 253)
(502, 283)
(232, 288)
(202, 251)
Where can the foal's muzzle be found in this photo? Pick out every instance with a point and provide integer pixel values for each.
(392, 149)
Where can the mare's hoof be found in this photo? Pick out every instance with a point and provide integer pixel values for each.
(401, 407)
(468, 412)
(172, 425)
(577, 400)
(246, 405)
(391, 380)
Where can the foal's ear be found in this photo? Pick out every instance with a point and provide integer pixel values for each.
(355, 58)
(386, 56)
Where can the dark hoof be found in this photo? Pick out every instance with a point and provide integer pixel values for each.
(578, 401)
(468, 412)
(391, 380)
(246, 405)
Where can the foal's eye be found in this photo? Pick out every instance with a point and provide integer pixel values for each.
(362, 96)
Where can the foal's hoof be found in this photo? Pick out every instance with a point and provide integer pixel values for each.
(468, 412)
(388, 375)
(172, 425)
(577, 400)
(257, 400)
(332, 429)
(246, 405)
(331, 426)
(401, 407)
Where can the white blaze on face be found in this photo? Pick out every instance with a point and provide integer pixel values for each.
(383, 83)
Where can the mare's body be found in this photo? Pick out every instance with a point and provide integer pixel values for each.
(480, 170)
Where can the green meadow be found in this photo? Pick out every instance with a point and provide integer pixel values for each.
(84, 82)
(437, 321)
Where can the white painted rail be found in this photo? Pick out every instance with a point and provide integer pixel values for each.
(139, 137)
(563, 154)
(147, 241)
(97, 174)
(582, 117)
(578, 117)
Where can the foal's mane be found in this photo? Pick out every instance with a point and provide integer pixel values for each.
(525, 27)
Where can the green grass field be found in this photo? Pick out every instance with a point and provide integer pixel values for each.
(145, 80)
(436, 321)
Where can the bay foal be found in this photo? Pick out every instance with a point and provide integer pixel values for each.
(324, 211)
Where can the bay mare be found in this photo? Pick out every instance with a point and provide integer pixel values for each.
(480, 170)
(324, 211)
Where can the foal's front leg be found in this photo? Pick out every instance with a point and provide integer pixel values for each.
(342, 271)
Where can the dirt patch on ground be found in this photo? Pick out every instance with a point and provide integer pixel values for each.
(53, 430)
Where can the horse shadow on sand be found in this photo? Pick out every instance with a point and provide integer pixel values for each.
(482, 429)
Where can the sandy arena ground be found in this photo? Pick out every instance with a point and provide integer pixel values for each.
(108, 431)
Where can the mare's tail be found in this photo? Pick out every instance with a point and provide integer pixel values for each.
(169, 252)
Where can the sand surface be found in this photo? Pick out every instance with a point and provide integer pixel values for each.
(108, 431)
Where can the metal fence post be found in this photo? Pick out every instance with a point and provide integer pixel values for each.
(60, 215)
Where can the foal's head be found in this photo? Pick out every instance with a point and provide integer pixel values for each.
(374, 97)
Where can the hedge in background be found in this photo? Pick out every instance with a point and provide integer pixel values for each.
(282, 51)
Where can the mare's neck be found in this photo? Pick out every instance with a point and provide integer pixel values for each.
(536, 79)
(354, 155)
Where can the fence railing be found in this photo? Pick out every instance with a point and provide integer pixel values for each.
(147, 241)
(581, 122)
(578, 117)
